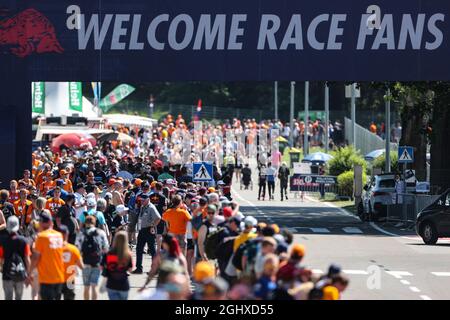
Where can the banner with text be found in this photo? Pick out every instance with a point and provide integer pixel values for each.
(75, 96)
(305, 182)
(38, 97)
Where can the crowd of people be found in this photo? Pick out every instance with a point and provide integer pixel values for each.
(380, 130)
(101, 209)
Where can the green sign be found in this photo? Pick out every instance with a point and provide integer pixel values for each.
(38, 97)
(115, 96)
(75, 96)
(313, 115)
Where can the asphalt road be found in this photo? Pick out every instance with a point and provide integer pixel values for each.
(381, 263)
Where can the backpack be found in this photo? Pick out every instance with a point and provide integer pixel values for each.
(14, 267)
(91, 249)
(212, 242)
(237, 257)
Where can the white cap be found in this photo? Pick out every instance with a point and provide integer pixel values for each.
(249, 221)
(121, 208)
(90, 195)
(91, 202)
(108, 195)
(12, 225)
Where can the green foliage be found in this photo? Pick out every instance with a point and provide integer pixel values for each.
(345, 182)
(344, 160)
(381, 160)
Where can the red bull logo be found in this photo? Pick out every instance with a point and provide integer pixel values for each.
(29, 32)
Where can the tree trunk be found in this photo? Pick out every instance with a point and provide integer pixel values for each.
(412, 123)
(440, 152)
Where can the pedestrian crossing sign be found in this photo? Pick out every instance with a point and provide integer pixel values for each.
(405, 154)
(202, 172)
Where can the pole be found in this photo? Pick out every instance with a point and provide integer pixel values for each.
(305, 136)
(387, 134)
(276, 100)
(291, 116)
(353, 102)
(327, 114)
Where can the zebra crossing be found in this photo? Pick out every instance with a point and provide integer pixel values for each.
(326, 230)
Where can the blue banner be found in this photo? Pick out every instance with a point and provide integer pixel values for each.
(144, 40)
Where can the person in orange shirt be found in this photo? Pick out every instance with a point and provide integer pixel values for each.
(36, 163)
(53, 204)
(48, 259)
(23, 208)
(46, 185)
(64, 175)
(177, 218)
(40, 175)
(72, 260)
(13, 193)
(373, 127)
(27, 179)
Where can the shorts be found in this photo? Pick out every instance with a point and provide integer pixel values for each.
(190, 244)
(132, 222)
(50, 291)
(67, 293)
(181, 240)
(91, 275)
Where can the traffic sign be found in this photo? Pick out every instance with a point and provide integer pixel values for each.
(405, 154)
(202, 172)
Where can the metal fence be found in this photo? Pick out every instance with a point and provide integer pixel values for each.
(328, 192)
(366, 141)
(407, 207)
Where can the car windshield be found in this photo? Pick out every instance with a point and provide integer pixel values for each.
(387, 183)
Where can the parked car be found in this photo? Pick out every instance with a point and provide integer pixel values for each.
(433, 222)
(377, 194)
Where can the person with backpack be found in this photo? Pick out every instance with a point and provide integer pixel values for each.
(207, 228)
(93, 243)
(47, 257)
(115, 267)
(66, 216)
(92, 211)
(15, 260)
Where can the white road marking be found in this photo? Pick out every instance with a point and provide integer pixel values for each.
(441, 274)
(352, 230)
(425, 297)
(399, 274)
(414, 289)
(405, 282)
(373, 225)
(320, 230)
(355, 272)
(317, 271)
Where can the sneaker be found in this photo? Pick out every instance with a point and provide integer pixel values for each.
(137, 271)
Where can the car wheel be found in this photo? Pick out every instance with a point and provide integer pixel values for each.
(429, 233)
(360, 211)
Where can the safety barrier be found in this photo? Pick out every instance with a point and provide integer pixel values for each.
(406, 206)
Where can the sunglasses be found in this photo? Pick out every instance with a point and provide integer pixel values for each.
(211, 212)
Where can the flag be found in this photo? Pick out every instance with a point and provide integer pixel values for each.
(118, 94)
(75, 96)
(38, 97)
(199, 105)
